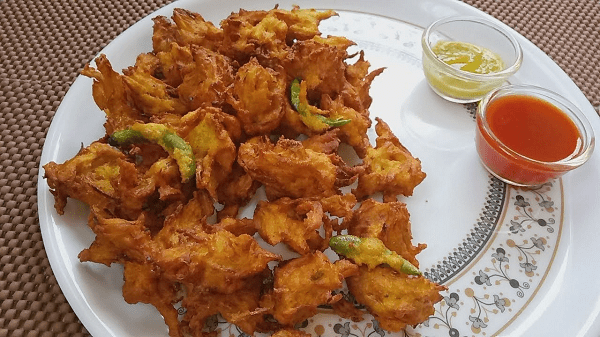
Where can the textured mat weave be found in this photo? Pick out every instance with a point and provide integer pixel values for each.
(44, 44)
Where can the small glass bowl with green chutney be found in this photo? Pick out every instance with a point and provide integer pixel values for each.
(464, 58)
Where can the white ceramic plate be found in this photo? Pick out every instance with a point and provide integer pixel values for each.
(516, 261)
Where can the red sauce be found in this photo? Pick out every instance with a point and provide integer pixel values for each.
(531, 127)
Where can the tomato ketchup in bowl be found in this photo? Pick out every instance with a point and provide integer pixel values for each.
(527, 135)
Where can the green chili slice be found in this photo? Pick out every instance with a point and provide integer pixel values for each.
(163, 136)
(303, 109)
(371, 252)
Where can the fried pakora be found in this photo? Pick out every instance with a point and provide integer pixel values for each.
(288, 169)
(295, 222)
(241, 308)
(143, 284)
(259, 98)
(389, 167)
(195, 130)
(395, 299)
(291, 301)
(102, 177)
(388, 222)
(112, 95)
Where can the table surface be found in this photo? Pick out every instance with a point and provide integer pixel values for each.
(44, 45)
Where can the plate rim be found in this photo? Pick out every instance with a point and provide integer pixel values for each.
(46, 202)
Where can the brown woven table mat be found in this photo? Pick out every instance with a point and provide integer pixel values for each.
(44, 44)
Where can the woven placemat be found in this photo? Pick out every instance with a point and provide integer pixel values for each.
(44, 44)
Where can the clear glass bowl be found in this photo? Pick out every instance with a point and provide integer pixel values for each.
(516, 169)
(462, 86)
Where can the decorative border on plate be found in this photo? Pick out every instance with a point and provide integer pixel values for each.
(476, 240)
(496, 290)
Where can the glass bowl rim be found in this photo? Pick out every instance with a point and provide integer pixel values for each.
(504, 73)
(575, 114)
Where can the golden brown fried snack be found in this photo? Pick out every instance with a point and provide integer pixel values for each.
(304, 283)
(101, 177)
(356, 92)
(327, 142)
(112, 95)
(236, 191)
(295, 222)
(189, 28)
(117, 240)
(339, 205)
(257, 34)
(149, 94)
(240, 307)
(192, 29)
(346, 308)
(207, 81)
(396, 300)
(215, 87)
(320, 65)
(164, 34)
(355, 132)
(389, 222)
(174, 63)
(182, 125)
(218, 261)
(190, 216)
(303, 24)
(259, 97)
(143, 283)
(235, 226)
(214, 150)
(288, 169)
(389, 168)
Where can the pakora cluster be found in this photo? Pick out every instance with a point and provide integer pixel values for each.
(205, 122)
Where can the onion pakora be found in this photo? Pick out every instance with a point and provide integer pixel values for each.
(292, 301)
(389, 167)
(395, 299)
(259, 111)
(288, 169)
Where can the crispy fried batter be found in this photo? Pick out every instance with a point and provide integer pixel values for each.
(292, 301)
(228, 93)
(259, 97)
(174, 63)
(237, 190)
(390, 167)
(236, 226)
(151, 95)
(321, 65)
(307, 173)
(206, 83)
(296, 222)
(346, 308)
(219, 261)
(395, 299)
(143, 283)
(112, 95)
(355, 132)
(303, 24)
(192, 29)
(240, 308)
(356, 92)
(117, 240)
(102, 177)
(215, 152)
(388, 222)
(257, 34)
